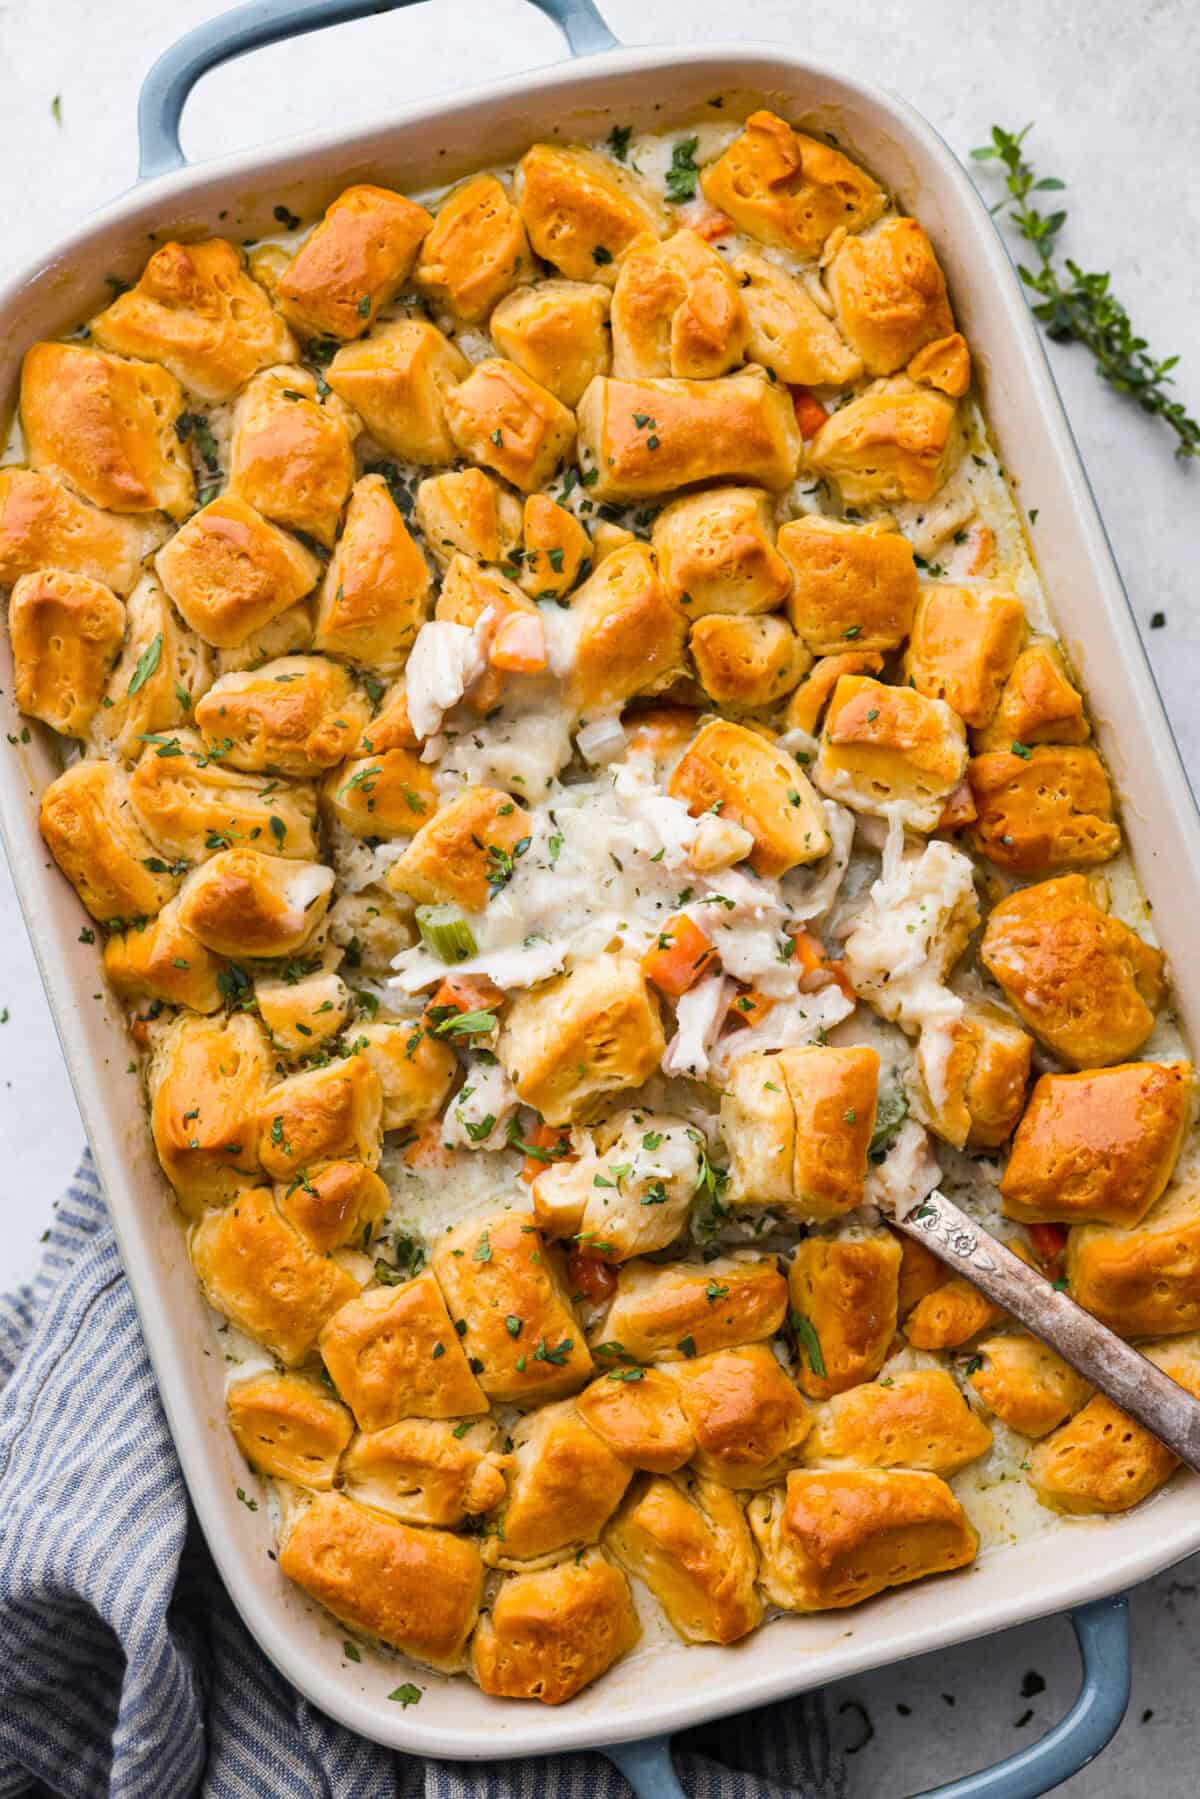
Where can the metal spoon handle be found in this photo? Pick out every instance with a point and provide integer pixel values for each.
(1103, 1358)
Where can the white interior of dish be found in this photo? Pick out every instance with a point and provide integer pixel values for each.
(425, 148)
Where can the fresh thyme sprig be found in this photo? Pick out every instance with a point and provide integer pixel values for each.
(1077, 307)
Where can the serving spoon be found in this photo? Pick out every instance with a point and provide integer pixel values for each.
(1112, 1366)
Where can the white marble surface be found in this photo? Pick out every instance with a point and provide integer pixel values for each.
(1111, 84)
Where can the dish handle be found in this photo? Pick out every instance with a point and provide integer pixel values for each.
(167, 86)
(1102, 1631)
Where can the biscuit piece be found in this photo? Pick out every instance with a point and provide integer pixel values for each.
(355, 261)
(476, 251)
(1038, 704)
(290, 1427)
(638, 439)
(66, 633)
(394, 1353)
(951, 1315)
(918, 1419)
(43, 525)
(503, 419)
(1098, 1147)
(787, 189)
(334, 1206)
(464, 852)
(415, 1070)
(397, 380)
(920, 1273)
(264, 1278)
(676, 310)
(847, 1291)
(888, 750)
(716, 553)
(688, 1542)
(189, 805)
(241, 903)
(971, 1073)
(664, 1312)
(162, 670)
(161, 960)
(944, 364)
(581, 211)
(195, 310)
(549, 1634)
(328, 1114)
(1028, 1386)
(564, 1484)
(893, 442)
(107, 428)
(748, 1420)
(557, 331)
(468, 511)
(588, 1033)
(93, 834)
(851, 584)
(418, 1590)
(747, 664)
(639, 1416)
(630, 636)
(294, 716)
(381, 796)
(789, 334)
(426, 1470)
(558, 551)
(1083, 982)
(1042, 809)
(230, 572)
(375, 595)
(1143, 1282)
(206, 1081)
(292, 457)
(835, 1539)
(758, 787)
(963, 647)
(890, 294)
(807, 705)
(622, 1198)
(798, 1126)
(497, 1268)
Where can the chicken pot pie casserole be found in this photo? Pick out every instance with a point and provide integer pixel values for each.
(585, 808)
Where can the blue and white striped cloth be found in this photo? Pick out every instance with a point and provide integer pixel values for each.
(124, 1669)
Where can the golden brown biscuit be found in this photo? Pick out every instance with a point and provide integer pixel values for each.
(748, 1420)
(807, 705)
(885, 748)
(665, 1312)
(789, 334)
(1042, 809)
(557, 331)
(588, 1033)
(549, 1634)
(393, 1352)
(66, 632)
(195, 310)
(944, 364)
(43, 525)
(747, 664)
(162, 670)
(676, 310)
(206, 1081)
(798, 1125)
(963, 647)
(290, 1427)
(397, 380)
(847, 1288)
(688, 1542)
(1083, 982)
(464, 852)
(971, 1075)
(328, 1114)
(920, 1273)
(230, 572)
(426, 1471)
(335, 1206)
(581, 211)
(1027, 1385)
(503, 419)
(951, 1315)
(468, 511)
(1104, 1461)
(620, 1198)
(758, 787)
(92, 832)
(1098, 1147)
(1038, 704)
(890, 294)
(381, 796)
(1143, 1282)
(564, 1484)
(243, 903)
(161, 960)
(785, 188)
(835, 1539)
(375, 595)
(918, 1419)
(418, 1590)
(851, 584)
(639, 439)
(716, 553)
(494, 1269)
(415, 1070)
(297, 715)
(264, 1278)
(630, 636)
(107, 428)
(557, 551)
(292, 457)
(638, 1414)
(189, 805)
(895, 441)
(476, 251)
(355, 261)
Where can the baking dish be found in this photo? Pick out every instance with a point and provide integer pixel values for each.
(493, 125)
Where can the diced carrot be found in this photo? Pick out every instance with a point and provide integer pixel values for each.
(682, 954)
(809, 953)
(466, 993)
(984, 540)
(960, 809)
(750, 1007)
(591, 1277)
(1049, 1242)
(556, 1141)
(816, 968)
(427, 1150)
(712, 224)
(810, 414)
(519, 646)
(837, 968)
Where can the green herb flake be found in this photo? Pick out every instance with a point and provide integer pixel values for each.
(809, 1342)
(683, 173)
(147, 663)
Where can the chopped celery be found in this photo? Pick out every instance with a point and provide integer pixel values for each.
(446, 933)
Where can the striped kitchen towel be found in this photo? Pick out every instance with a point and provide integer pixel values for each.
(124, 1668)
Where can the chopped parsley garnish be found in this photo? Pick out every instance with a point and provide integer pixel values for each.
(683, 173)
